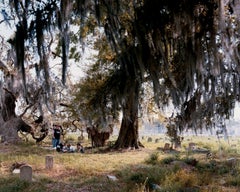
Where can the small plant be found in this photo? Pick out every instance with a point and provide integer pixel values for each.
(142, 187)
(181, 179)
(145, 177)
(153, 159)
(137, 178)
(13, 185)
(168, 160)
(191, 161)
(233, 181)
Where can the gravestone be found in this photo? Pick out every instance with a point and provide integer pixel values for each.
(149, 139)
(192, 146)
(49, 162)
(26, 173)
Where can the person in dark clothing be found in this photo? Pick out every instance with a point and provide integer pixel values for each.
(80, 148)
(59, 147)
(56, 135)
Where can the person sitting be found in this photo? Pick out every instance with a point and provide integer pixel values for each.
(68, 148)
(80, 148)
(59, 147)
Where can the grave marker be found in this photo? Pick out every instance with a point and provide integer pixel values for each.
(26, 173)
(49, 162)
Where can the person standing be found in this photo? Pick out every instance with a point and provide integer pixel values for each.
(56, 135)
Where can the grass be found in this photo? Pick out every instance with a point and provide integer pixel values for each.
(145, 170)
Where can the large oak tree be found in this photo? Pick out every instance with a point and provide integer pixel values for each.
(189, 51)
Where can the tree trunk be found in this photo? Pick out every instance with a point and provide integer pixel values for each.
(10, 123)
(128, 135)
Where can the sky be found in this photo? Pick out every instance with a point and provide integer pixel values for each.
(76, 69)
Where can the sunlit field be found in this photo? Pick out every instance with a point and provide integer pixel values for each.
(139, 170)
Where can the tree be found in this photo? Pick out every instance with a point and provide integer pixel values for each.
(32, 20)
(180, 49)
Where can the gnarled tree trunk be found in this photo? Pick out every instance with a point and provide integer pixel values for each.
(10, 123)
(128, 135)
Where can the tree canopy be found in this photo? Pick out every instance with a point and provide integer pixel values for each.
(189, 51)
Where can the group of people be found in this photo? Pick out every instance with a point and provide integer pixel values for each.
(66, 147)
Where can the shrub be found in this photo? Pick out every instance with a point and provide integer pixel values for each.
(181, 179)
(233, 181)
(14, 184)
(153, 159)
(144, 176)
(168, 160)
(138, 177)
(191, 161)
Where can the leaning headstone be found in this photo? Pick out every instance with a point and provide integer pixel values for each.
(49, 162)
(26, 173)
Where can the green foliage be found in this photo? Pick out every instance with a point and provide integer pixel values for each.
(74, 54)
(14, 184)
(180, 180)
(168, 160)
(153, 158)
(144, 176)
(102, 184)
(93, 99)
(138, 178)
(233, 181)
(190, 161)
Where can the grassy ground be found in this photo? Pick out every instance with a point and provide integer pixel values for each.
(147, 169)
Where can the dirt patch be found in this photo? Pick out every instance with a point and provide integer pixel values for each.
(58, 173)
